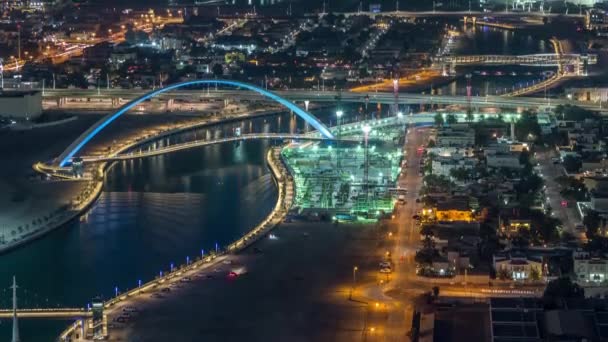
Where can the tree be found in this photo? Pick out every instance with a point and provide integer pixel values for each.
(592, 222)
(460, 174)
(437, 183)
(559, 290)
(451, 119)
(435, 291)
(571, 164)
(431, 143)
(469, 116)
(218, 70)
(535, 274)
(574, 113)
(503, 274)
(439, 120)
(527, 128)
(524, 157)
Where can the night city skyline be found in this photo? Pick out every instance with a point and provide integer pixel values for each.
(289, 170)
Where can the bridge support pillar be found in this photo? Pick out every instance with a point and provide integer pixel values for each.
(115, 102)
(465, 20)
(169, 105)
(474, 21)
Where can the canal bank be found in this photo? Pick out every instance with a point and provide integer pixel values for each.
(114, 307)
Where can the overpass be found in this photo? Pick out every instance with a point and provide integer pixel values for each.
(537, 60)
(63, 313)
(425, 14)
(117, 95)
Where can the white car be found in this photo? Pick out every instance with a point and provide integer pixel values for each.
(385, 264)
(386, 270)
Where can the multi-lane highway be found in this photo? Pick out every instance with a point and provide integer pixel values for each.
(319, 96)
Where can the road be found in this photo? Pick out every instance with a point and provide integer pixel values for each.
(302, 95)
(407, 237)
(549, 172)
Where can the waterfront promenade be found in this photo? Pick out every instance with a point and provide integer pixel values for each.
(113, 307)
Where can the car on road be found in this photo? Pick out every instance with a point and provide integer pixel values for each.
(165, 289)
(386, 270)
(385, 264)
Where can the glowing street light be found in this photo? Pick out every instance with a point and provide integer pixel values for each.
(355, 269)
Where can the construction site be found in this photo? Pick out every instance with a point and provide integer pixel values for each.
(349, 181)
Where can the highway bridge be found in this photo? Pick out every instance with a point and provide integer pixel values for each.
(537, 60)
(470, 14)
(63, 313)
(116, 96)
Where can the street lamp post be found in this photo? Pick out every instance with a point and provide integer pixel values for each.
(366, 130)
(1, 74)
(355, 269)
(339, 115)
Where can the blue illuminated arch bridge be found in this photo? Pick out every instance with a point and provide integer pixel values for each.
(84, 138)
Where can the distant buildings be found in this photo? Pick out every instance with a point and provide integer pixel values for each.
(21, 105)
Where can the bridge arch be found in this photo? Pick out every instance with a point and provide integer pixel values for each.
(84, 138)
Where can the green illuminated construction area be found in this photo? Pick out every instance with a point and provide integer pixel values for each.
(333, 179)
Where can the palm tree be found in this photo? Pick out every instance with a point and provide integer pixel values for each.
(451, 119)
(439, 120)
(534, 274)
(503, 274)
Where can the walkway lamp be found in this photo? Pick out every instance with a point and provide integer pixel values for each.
(355, 269)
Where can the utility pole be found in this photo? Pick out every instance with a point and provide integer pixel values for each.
(15, 322)
(18, 45)
(1, 74)
(366, 130)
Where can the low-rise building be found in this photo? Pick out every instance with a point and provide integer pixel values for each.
(599, 201)
(455, 136)
(454, 209)
(443, 166)
(21, 105)
(518, 266)
(503, 160)
(590, 269)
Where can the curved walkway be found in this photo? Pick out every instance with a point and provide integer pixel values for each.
(199, 143)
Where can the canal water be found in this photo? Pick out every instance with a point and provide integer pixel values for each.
(153, 212)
